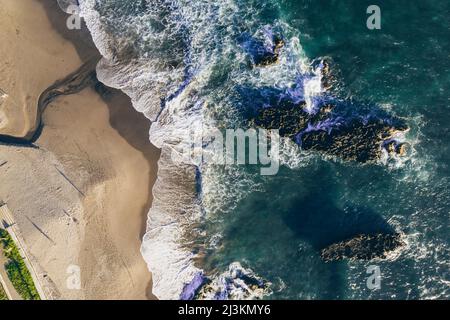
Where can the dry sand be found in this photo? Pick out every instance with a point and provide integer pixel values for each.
(82, 197)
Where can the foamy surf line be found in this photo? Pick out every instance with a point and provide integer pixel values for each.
(175, 207)
(171, 266)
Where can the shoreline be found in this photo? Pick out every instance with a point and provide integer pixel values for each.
(91, 174)
(175, 208)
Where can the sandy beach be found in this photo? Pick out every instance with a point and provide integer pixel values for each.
(81, 194)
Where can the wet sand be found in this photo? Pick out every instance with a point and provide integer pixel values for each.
(82, 194)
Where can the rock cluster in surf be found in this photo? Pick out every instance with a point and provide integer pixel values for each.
(334, 131)
(263, 51)
(363, 247)
(235, 283)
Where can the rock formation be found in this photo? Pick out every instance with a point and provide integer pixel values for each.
(363, 247)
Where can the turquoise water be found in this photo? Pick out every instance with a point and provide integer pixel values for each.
(188, 64)
(405, 67)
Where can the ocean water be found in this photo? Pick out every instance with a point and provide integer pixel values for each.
(214, 231)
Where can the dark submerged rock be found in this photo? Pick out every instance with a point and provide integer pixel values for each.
(288, 118)
(363, 247)
(354, 141)
(272, 56)
(263, 49)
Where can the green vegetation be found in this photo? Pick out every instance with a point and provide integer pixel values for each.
(2, 294)
(16, 269)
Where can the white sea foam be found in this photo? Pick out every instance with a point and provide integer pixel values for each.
(131, 63)
(231, 282)
(146, 83)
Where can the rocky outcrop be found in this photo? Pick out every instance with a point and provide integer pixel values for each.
(346, 136)
(235, 283)
(363, 247)
(353, 141)
(270, 57)
(325, 124)
(264, 49)
(288, 118)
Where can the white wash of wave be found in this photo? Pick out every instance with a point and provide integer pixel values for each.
(292, 156)
(170, 263)
(149, 77)
(416, 166)
(224, 187)
(292, 69)
(231, 282)
(146, 80)
(313, 89)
